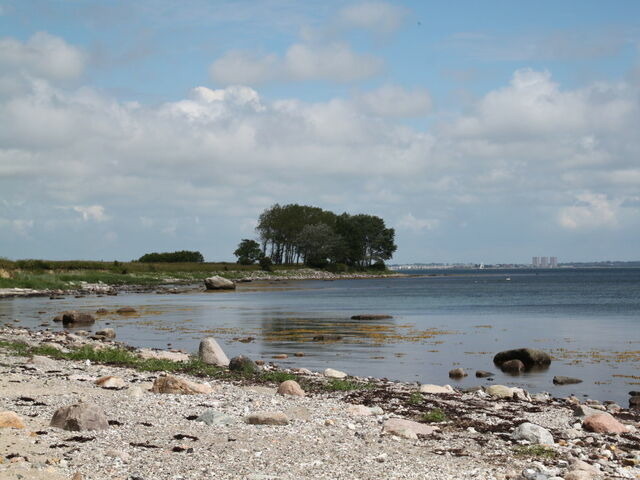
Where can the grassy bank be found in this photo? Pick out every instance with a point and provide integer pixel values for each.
(69, 274)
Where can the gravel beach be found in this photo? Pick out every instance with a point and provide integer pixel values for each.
(338, 435)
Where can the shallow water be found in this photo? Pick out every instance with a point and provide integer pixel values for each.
(588, 319)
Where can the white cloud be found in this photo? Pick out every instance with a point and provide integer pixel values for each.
(409, 222)
(592, 210)
(396, 101)
(379, 17)
(334, 62)
(91, 212)
(43, 56)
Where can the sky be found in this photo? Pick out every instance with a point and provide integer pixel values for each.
(486, 131)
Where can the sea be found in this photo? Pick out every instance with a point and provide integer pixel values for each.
(588, 319)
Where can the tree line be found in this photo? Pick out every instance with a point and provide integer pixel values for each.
(291, 234)
(183, 256)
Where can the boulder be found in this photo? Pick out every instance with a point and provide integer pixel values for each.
(111, 383)
(218, 283)
(9, 419)
(483, 374)
(372, 316)
(603, 423)
(176, 385)
(106, 333)
(584, 411)
(147, 353)
(243, 364)
(436, 389)
(331, 373)
(561, 380)
(75, 319)
(291, 387)
(532, 433)
(126, 310)
(41, 361)
(499, 391)
(529, 356)
(213, 417)
(80, 416)
(267, 418)
(364, 411)
(211, 353)
(457, 373)
(634, 402)
(513, 366)
(407, 428)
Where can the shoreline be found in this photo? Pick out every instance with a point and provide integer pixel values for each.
(329, 435)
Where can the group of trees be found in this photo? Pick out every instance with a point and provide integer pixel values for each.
(183, 256)
(316, 237)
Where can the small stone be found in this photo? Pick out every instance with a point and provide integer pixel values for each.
(584, 411)
(212, 417)
(126, 310)
(80, 416)
(436, 389)
(102, 311)
(561, 380)
(483, 374)
(211, 353)
(371, 316)
(77, 476)
(499, 391)
(331, 373)
(514, 366)
(457, 373)
(124, 456)
(176, 385)
(603, 423)
(111, 383)
(280, 356)
(407, 428)
(9, 419)
(298, 354)
(268, 418)
(106, 333)
(360, 410)
(291, 387)
(533, 433)
(634, 402)
(73, 319)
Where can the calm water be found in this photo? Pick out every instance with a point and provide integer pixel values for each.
(589, 319)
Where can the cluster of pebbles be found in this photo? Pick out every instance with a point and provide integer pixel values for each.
(226, 430)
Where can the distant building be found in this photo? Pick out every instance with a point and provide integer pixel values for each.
(553, 262)
(544, 262)
(535, 261)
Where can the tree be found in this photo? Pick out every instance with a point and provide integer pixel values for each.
(185, 256)
(248, 252)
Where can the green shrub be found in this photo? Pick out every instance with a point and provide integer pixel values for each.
(434, 416)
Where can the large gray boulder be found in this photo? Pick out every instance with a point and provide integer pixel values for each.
(533, 433)
(80, 416)
(211, 353)
(243, 364)
(218, 283)
(529, 356)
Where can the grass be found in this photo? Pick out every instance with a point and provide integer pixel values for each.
(539, 451)
(434, 416)
(415, 398)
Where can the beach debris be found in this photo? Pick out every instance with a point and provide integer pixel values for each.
(218, 283)
(80, 416)
(211, 353)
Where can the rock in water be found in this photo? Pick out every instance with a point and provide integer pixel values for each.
(560, 380)
(106, 333)
(603, 423)
(242, 364)
(634, 402)
(529, 356)
(80, 416)
(75, 319)
(372, 316)
(218, 283)
(291, 387)
(533, 433)
(211, 353)
(483, 374)
(125, 310)
(268, 418)
(513, 366)
(331, 373)
(457, 373)
(10, 419)
(175, 385)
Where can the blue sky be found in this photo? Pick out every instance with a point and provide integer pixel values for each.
(482, 131)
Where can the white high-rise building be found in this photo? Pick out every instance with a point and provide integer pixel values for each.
(553, 262)
(535, 261)
(544, 262)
